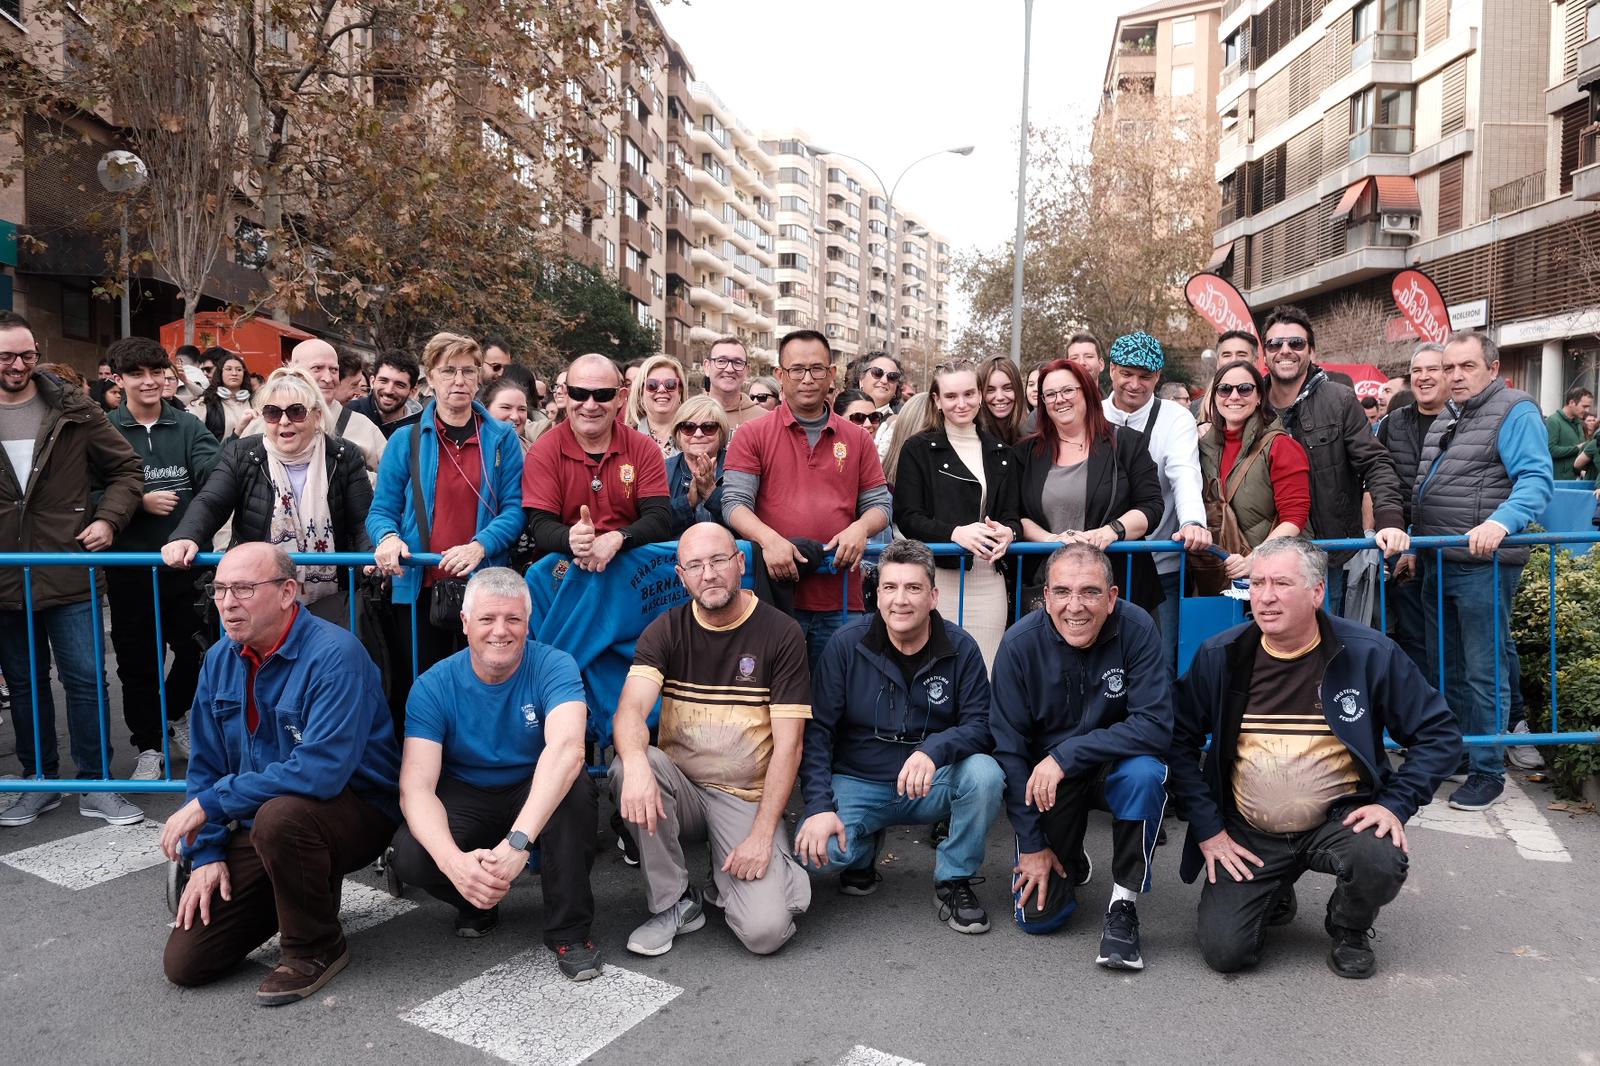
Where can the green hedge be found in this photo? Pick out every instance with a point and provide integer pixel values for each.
(1577, 657)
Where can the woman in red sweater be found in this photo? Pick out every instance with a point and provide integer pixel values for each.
(1257, 478)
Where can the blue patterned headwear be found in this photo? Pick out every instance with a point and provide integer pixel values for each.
(1138, 350)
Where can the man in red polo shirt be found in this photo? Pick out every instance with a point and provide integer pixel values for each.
(592, 486)
(804, 472)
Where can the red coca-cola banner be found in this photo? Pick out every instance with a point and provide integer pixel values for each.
(1216, 300)
(1418, 298)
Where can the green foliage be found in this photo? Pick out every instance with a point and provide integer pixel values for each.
(1577, 624)
(594, 315)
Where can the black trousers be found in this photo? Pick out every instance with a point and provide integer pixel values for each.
(139, 660)
(433, 644)
(481, 818)
(1134, 791)
(1233, 914)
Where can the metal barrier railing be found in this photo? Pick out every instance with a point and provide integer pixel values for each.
(352, 563)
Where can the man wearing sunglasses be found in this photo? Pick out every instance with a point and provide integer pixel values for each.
(591, 486)
(726, 365)
(1346, 459)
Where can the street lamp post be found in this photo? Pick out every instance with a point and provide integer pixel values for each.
(891, 334)
(122, 173)
(1022, 190)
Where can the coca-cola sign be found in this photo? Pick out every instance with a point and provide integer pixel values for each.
(1419, 300)
(1219, 303)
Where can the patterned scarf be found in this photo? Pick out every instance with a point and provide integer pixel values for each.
(304, 524)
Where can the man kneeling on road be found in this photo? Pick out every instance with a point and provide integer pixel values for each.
(1082, 715)
(1296, 703)
(735, 695)
(899, 735)
(291, 784)
(493, 763)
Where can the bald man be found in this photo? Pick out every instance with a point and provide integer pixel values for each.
(592, 486)
(321, 360)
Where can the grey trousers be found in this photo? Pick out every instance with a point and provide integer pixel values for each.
(761, 912)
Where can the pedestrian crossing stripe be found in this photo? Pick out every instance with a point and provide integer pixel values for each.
(85, 860)
(360, 907)
(860, 1055)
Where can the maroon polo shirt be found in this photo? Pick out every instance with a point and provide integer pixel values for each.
(559, 477)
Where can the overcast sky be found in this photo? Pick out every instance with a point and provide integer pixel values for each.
(891, 80)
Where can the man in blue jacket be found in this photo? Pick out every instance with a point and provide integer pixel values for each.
(899, 735)
(1082, 715)
(292, 744)
(1296, 703)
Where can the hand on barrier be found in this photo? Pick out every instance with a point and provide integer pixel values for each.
(160, 502)
(203, 883)
(641, 797)
(478, 884)
(916, 776)
(1042, 784)
(460, 560)
(389, 553)
(982, 539)
(1387, 822)
(97, 535)
(179, 553)
(847, 545)
(1102, 537)
(1236, 567)
(1221, 850)
(1393, 541)
(748, 861)
(1032, 875)
(1193, 536)
(1405, 568)
(782, 559)
(1484, 538)
(181, 828)
(811, 843)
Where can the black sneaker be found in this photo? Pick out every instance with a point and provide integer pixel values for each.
(864, 882)
(1478, 793)
(625, 841)
(391, 877)
(1463, 771)
(1350, 956)
(1284, 907)
(958, 907)
(1119, 943)
(472, 924)
(579, 959)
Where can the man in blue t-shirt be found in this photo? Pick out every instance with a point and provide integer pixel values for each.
(493, 763)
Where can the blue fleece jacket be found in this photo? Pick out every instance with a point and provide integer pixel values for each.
(324, 725)
(500, 518)
(1084, 707)
(864, 721)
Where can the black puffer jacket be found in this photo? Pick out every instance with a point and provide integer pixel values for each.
(240, 488)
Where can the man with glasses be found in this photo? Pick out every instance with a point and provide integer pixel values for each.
(805, 472)
(591, 486)
(1346, 459)
(291, 785)
(321, 360)
(735, 693)
(1082, 717)
(69, 482)
(725, 366)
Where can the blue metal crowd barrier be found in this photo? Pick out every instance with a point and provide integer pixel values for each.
(353, 562)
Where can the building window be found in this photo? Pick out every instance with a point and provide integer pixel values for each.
(611, 145)
(77, 314)
(1383, 29)
(1183, 32)
(611, 199)
(1380, 121)
(793, 261)
(611, 253)
(1183, 80)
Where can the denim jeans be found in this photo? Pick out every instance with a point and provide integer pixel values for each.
(1167, 620)
(67, 633)
(968, 792)
(819, 627)
(1407, 622)
(1335, 590)
(1471, 628)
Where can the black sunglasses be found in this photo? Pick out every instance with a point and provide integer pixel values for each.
(1244, 388)
(1294, 344)
(879, 372)
(705, 429)
(295, 412)
(583, 395)
(762, 397)
(861, 419)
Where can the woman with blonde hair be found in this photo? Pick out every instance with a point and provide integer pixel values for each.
(653, 400)
(916, 415)
(694, 474)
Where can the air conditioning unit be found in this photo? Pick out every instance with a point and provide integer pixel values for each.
(1398, 223)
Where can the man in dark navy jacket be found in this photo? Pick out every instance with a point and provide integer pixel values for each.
(1082, 714)
(1296, 703)
(899, 735)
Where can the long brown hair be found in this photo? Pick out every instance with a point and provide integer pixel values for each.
(1046, 438)
(1010, 430)
(1261, 417)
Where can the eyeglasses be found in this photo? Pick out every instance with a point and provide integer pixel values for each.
(1065, 392)
(1244, 388)
(583, 395)
(762, 397)
(817, 370)
(702, 429)
(242, 590)
(295, 412)
(892, 376)
(695, 569)
(25, 358)
(663, 385)
(1294, 344)
(1088, 597)
(453, 372)
(728, 362)
(862, 418)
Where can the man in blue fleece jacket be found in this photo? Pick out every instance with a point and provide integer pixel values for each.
(291, 742)
(1082, 715)
(1296, 703)
(899, 735)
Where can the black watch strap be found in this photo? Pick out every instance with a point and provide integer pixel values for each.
(1118, 528)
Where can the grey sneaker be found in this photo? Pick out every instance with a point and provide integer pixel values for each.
(1524, 756)
(655, 936)
(110, 806)
(149, 766)
(178, 743)
(28, 807)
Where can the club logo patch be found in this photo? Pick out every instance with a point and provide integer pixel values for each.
(558, 572)
(293, 731)
(1113, 680)
(747, 668)
(530, 716)
(1348, 701)
(938, 690)
(626, 474)
(841, 451)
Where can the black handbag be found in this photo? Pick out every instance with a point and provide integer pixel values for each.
(449, 593)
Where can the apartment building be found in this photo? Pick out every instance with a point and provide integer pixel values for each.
(1167, 49)
(1361, 137)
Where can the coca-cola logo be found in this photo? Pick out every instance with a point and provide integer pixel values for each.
(1219, 303)
(1418, 298)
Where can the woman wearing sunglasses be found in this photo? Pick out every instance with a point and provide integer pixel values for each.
(653, 401)
(1256, 477)
(764, 392)
(879, 377)
(290, 484)
(695, 473)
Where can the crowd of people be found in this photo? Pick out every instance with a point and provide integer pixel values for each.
(893, 684)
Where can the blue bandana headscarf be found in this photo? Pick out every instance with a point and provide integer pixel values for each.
(1138, 350)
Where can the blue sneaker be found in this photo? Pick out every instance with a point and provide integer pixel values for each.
(1478, 793)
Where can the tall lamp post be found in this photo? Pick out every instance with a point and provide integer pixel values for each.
(892, 334)
(1022, 190)
(122, 173)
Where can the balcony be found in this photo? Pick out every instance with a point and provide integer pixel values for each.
(703, 299)
(634, 181)
(636, 233)
(635, 130)
(677, 262)
(1383, 46)
(1525, 191)
(705, 258)
(703, 217)
(678, 308)
(637, 284)
(1586, 179)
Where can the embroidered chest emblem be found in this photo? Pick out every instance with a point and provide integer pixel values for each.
(747, 668)
(558, 573)
(530, 716)
(626, 476)
(841, 451)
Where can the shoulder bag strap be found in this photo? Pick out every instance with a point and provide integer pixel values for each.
(419, 504)
(1244, 467)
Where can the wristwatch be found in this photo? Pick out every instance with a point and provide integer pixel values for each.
(518, 840)
(1118, 528)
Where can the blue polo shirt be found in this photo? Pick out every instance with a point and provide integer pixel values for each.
(492, 734)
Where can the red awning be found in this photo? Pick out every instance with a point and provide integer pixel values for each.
(1347, 202)
(1397, 194)
(1219, 256)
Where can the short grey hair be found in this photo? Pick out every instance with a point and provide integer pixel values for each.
(1313, 560)
(496, 581)
(1087, 554)
(1486, 344)
(283, 567)
(1427, 346)
(910, 552)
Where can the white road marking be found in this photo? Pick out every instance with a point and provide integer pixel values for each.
(861, 1055)
(524, 1012)
(84, 860)
(360, 907)
(1515, 816)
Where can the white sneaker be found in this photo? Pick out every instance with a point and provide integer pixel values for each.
(110, 806)
(149, 766)
(178, 744)
(1524, 756)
